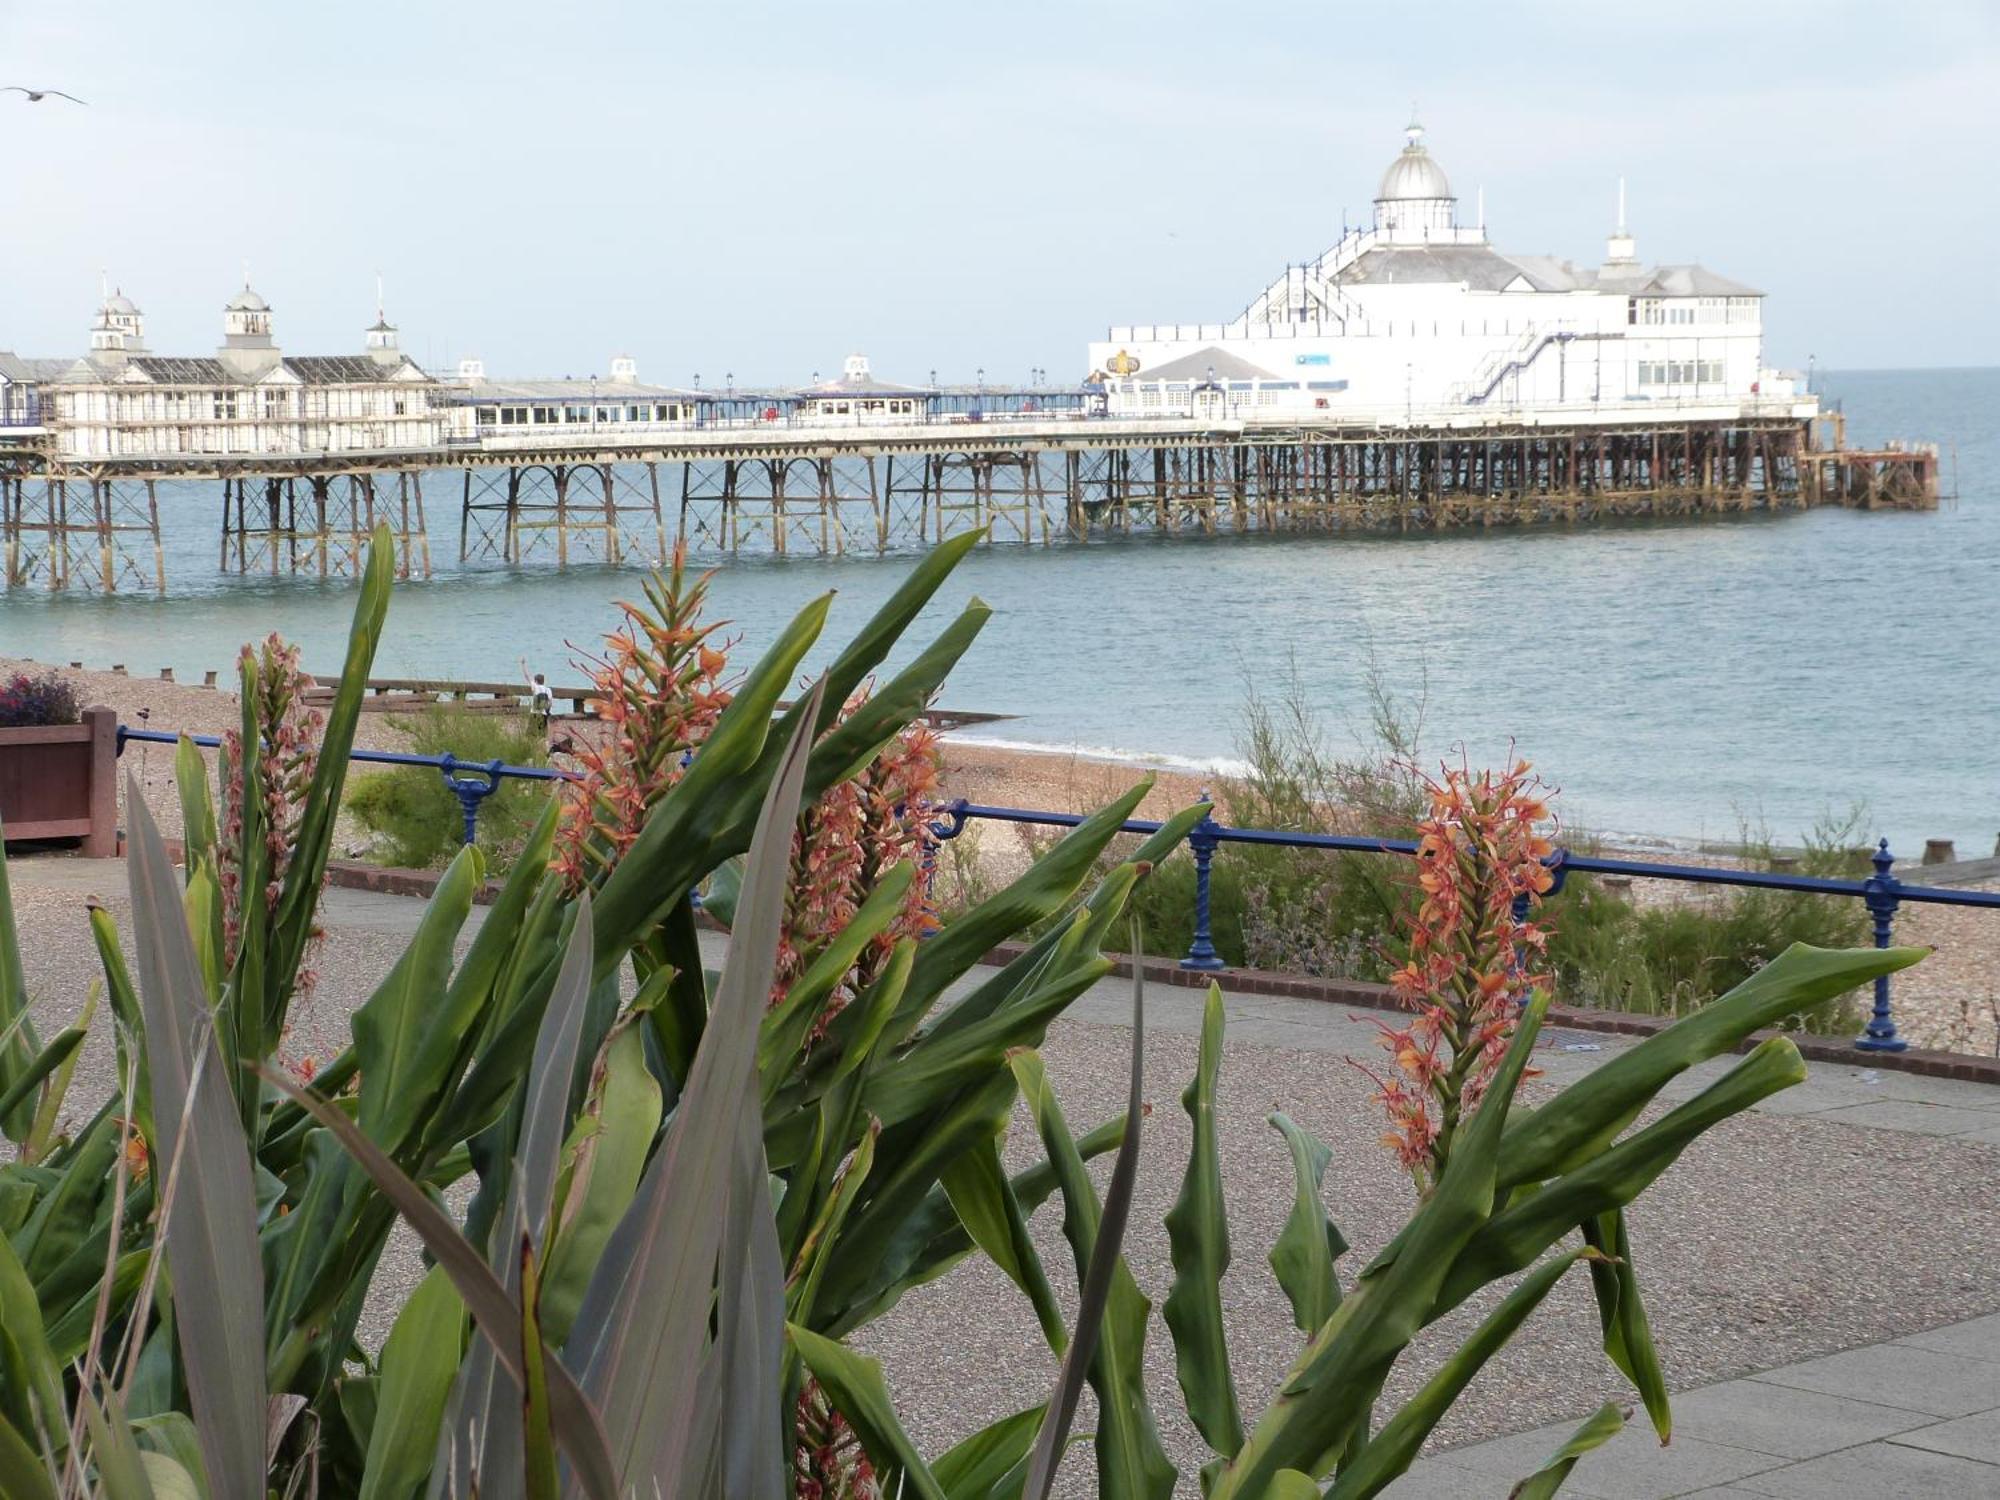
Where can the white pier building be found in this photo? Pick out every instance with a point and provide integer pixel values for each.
(249, 399)
(1418, 318)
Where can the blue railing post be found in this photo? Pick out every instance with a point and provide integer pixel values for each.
(1203, 839)
(1882, 896)
(470, 789)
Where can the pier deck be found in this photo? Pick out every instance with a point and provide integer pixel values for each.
(787, 486)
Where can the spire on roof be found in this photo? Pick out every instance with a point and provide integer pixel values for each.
(1621, 249)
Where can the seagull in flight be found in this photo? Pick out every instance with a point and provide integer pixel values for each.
(36, 96)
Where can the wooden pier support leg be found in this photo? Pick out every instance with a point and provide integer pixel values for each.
(660, 553)
(611, 548)
(511, 549)
(879, 498)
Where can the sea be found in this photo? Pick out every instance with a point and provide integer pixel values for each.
(1676, 682)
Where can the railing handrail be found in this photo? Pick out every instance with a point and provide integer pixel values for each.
(1586, 863)
(473, 781)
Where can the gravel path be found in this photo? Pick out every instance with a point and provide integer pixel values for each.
(1774, 1239)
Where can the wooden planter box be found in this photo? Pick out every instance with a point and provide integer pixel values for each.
(60, 781)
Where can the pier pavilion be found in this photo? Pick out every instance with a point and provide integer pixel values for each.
(1419, 312)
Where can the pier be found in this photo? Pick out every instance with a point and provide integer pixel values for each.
(784, 485)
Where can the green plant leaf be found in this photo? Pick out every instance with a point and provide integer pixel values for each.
(1104, 905)
(787, 1024)
(58, 1053)
(576, 1423)
(1391, 1451)
(936, 1067)
(1110, 1338)
(1334, 1381)
(121, 1468)
(419, 1363)
(168, 1477)
(198, 836)
(1198, 1242)
(538, 1469)
(31, 1394)
(608, 1150)
(882, 1235)
(209, 1204)
(852, 743)
(977, 1185)
(20, 1047)
(305, 875)
(1628, 1335)
(1290, 1484)
(644, 1320)
(48, 1112)
(1590, 1113)
(1599, 1429)
(22, 1476)
(991, 1464)
(483, 1432)
(1516, 1235)
(1038, 894)
(1302, 1257)
(748, 1352)
(406, 1037)
(853, 1382)
(871, 645)
(128, 1021)
(822, 1240)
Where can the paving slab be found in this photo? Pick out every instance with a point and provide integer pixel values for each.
(1976, 1436)
(1911, 1114)
(1782, 1420)
(1901, 1375)
(1977, 1338)
(1881, 1471)
(1439, 1481)
(1632, 1466)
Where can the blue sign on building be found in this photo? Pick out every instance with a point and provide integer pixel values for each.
(1312, 359)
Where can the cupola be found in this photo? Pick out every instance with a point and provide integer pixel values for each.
(1414, 200)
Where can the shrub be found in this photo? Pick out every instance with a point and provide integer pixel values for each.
(416, 818)
(47, 698)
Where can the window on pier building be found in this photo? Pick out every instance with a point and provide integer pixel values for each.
(223, 405)
(1743, 309)
(276, 403)
(544, 415)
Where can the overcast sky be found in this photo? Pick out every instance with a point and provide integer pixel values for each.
(761, 189)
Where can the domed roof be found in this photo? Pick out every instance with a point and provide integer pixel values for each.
(118, 302)
(1414, 173)
(246, 301)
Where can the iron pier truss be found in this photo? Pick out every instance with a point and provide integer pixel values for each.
(879, 490)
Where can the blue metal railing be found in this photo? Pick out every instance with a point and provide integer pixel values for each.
(1882, 893)
(471, 781)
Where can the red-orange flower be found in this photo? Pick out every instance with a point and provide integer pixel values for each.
(1468, 972)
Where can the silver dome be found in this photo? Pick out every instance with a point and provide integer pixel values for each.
(118, 302)
(246, 301)
(1414, 173)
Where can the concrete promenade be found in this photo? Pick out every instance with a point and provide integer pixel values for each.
(1917, 1418)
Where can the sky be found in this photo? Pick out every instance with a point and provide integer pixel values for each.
(756, 190)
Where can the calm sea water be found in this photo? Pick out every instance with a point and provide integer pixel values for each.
(1671, 679)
